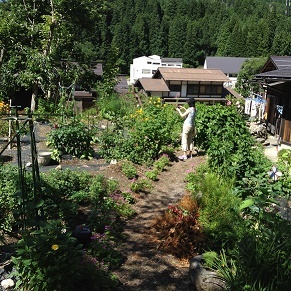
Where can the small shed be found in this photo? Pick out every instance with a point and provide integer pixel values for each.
(275, 79)
(84, 99)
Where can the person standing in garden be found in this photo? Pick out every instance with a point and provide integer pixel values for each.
(188, 127)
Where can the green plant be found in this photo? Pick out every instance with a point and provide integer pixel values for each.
(219, 213)
(73, 138)
(9, 185)
(162, 162)
(4, 128)
(261, 259)
(103, 248)
(152, 174)
(149, 129)
(63, 191)
(128, 197)
(128, 169)
(222, 132)
(142, 185)
(284, 160)
(47, 259)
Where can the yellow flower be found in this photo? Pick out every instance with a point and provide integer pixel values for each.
(55, 247)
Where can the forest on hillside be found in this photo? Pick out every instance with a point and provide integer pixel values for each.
(37, 36)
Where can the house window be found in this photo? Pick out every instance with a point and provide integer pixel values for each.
(175, 88)
(156, 63)
(192, 89)
(149, 63)
(146, 71)
(213, 89)
(202, 89)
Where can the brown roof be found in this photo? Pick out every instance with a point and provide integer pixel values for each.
(191, 74)
(158, 85)
(229, 90)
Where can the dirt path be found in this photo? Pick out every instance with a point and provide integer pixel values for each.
(147, 268)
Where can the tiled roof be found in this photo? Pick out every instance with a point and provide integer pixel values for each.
(191, 74)
(157, 85)
(228, 65)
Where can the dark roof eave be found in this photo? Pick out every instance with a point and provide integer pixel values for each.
(269, 80)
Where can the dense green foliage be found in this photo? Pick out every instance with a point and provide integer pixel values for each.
(39, 37)
(48, 255)
(147, 134)
(222, 132)
(73, 138)
(238, 216)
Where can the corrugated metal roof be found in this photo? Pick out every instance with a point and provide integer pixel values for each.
(276, 62)
(171, 59)
(191, 74)
(281, 61)
(98, 69)
(283, 73)
(157, 85)
(228, 65)
(122, 86)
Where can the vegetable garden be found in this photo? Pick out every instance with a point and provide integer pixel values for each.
(67, 239)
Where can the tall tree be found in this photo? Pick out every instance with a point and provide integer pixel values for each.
(39, 34)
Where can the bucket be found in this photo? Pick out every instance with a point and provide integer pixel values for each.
(44, 158)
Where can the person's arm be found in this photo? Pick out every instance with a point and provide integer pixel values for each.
(183, 114)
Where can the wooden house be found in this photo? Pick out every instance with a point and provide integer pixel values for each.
(275, 78)
(205, 85)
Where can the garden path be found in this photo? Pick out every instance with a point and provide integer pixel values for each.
(146, 267)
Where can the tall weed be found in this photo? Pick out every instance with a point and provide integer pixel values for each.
(218, 208)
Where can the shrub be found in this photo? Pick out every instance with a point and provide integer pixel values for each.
(149, 130)
(223, 134)
(47, 259)
(218, 208)
(73, 138)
